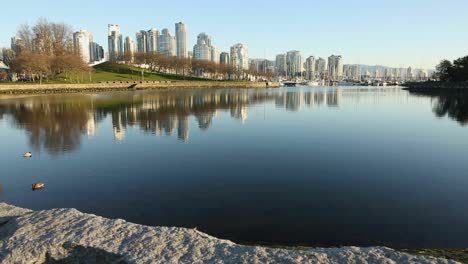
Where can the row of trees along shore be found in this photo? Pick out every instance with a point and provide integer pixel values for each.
(160, 63)
(453, 72)
(46, 51)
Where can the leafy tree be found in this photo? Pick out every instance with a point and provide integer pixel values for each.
(460, 69)
(456, 71)
(444, 70)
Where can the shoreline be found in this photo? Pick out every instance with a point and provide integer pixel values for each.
(436, 87)
(68, 235)
(127, 86)
(436, 91)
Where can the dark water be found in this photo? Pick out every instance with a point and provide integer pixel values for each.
(308, 166)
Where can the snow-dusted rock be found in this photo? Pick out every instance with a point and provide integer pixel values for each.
(69, 235)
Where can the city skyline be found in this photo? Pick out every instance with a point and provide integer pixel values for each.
(290, 65)
(410, 37)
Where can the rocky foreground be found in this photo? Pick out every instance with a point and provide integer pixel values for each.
(67, 235)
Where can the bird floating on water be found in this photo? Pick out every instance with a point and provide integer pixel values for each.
(37, 186)
(27, 155)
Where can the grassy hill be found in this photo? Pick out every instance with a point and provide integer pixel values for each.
(108, 72)
(121, 72)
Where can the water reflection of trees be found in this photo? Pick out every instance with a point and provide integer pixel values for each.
(57, 127)
(56, 123)
(453, 106)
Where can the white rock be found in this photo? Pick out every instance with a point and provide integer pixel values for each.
(67, 234)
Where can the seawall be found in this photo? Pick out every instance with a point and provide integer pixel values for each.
(126, 85)
(69, 236)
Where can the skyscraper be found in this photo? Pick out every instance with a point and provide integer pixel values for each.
(205, 37)
(81, 42)
(152, 40)
(167, 45)
(141, 41)
(240, 56)
(115, 42)
(224, 58)
(203, 50)
(181, 40)
(335, 68)
(310, 68)
(96, 52)
(409, 74)
(280, 64)
(262, 65)
(356, 73)
(129, 49)
(321, 66)
(351, 72)
(214, 54)
(294, 63)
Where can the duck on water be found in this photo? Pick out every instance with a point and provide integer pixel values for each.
(38, 186)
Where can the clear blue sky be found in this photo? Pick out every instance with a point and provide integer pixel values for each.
(388, 32)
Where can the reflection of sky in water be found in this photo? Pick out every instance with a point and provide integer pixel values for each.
(317, 166)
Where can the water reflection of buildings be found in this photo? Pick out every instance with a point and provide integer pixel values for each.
(165, 113)
(293, 100)
(57, 123)
(91, 125)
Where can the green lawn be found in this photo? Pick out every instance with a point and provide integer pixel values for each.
(121, 72)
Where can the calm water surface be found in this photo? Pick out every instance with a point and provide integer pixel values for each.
(311, 166)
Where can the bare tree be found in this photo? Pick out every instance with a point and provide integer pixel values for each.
(46, 37)
(62, 38)
(25, 34)
(46, 50)
(43, 40)
(37, 66)
(128, 57)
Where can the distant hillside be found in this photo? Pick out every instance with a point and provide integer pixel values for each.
(372, 68)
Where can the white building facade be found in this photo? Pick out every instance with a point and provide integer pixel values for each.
(240, 56)
(82, 43)
(204, 50)
(294, 63)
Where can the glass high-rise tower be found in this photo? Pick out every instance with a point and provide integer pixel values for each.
(181, 40)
